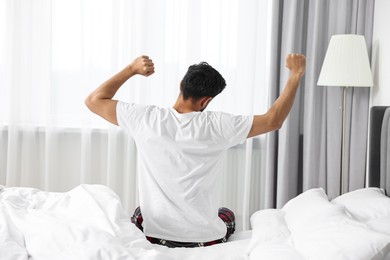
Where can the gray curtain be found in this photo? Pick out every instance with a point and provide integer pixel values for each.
(306, 152)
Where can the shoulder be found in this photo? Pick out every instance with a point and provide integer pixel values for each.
(227, 117)
(228, 122)
(124, 107)
(132, 114)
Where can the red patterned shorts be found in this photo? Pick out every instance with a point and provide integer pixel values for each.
(224, 213)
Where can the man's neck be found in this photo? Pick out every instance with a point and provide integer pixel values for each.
(183, 106)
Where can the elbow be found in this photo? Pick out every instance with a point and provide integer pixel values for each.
(276, 125)
(275, 122)
(90, 102)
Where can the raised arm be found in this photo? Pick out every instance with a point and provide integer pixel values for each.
(100, 100)
(275, 116)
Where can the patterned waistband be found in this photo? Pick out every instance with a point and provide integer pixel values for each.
(224, 213)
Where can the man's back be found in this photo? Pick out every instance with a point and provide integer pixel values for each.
(179, 164)
(180, 153)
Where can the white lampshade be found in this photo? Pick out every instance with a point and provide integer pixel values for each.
(346, 63)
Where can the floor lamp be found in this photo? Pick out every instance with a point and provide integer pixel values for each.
(346, 65)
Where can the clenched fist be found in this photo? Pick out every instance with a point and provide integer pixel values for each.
(142, 65)
(296, 63)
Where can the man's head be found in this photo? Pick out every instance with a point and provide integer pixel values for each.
(200, 81)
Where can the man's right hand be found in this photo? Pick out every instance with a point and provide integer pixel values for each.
(296, 63)
(142, 65)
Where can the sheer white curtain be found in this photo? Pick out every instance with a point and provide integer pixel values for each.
(54, 52)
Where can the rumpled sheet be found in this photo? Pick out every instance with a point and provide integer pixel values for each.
(88, 222)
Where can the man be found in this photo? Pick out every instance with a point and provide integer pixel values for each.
(181, 150)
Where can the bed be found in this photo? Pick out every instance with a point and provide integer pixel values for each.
(89, 222)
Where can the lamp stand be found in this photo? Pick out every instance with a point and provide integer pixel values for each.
(346, 64)
(342, 164)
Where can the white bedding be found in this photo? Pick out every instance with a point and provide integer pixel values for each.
(88, 222)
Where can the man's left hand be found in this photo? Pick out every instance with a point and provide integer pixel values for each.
(142, 65)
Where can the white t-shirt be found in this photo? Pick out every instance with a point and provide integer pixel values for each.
(180, 160)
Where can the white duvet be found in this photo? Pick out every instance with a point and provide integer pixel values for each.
(88, 222)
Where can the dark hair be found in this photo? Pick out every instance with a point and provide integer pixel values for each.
(202, 80)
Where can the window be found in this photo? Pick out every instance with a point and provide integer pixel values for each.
(54, 53)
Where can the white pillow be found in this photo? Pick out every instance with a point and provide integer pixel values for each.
(303, 207)
(365, 204)
(268, 227)
(381, 225)
(332, 234)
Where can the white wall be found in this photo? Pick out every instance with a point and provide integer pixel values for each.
(380, 93)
